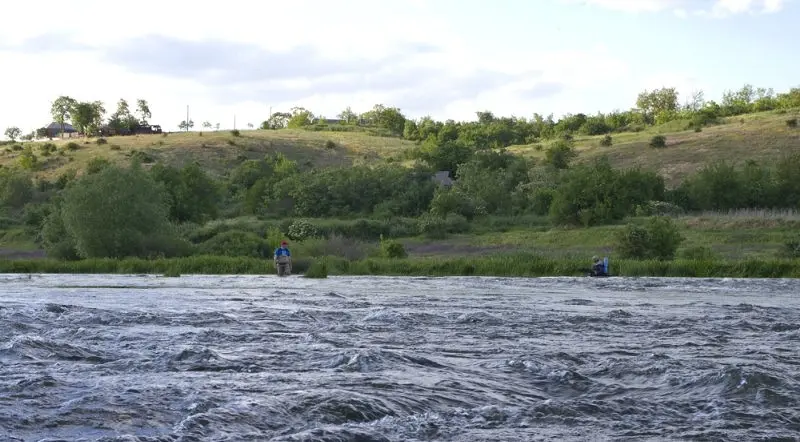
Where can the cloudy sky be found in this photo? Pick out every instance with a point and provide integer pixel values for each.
(443, 58)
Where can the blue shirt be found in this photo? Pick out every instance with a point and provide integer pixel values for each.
(280, 251)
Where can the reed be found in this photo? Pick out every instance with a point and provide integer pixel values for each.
(518, 265)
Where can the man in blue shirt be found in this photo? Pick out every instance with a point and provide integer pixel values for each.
(282, 255)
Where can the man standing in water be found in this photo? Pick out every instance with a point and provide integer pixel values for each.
(283, 256)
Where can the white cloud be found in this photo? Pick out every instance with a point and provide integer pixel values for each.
(717, 8)
(241, 58)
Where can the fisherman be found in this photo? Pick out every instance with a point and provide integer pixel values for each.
(282, 255)
(598, 267)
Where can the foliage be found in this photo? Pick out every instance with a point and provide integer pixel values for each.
(606, 141)
(560, 154)
(592, 194)
(16, 188)
(13, 133)
(117, 212)
(658, 141)
(193, 195)
(317, 270)
(302, 229)
(659, 238)
(392, 249)
(236, 243)
(28, 160)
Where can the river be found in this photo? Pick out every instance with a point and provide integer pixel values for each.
(228, 358)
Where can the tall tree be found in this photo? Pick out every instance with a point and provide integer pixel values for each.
(13, 132)
(143, 111)
(88, 116)
(61, 109)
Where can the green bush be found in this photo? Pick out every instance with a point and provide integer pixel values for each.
(436, 227)
(791, 249)
(658, 208)
(659, 239)
(101, 141)
(318, 269)
(236, 133)
(330, 144)
(792, 122)
(236, 243)
(392, 249)
(658, 141)
(73, 146)
(28, 160)
(606, 141)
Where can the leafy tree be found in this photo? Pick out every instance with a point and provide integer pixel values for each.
(143, 111)
(87, 116)
(116, 212)
(348, 116)
(61, 109)
(301, 117)
(207, 125)
(278, 120)
(184, 125)
(16, 187)
(13, 132)
(122, 119)
(193, 196)
(560, 154)
(657, 101)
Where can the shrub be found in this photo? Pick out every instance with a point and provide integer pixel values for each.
(101, 141)
(27, 160)
(792, 122)
(658, 141)
(236, 243)
(302, 229)
(791, 249)
(560, 154)
(392, 249)
(606, 141)
(96, 164)
(330, 144)
(115, 147)
(16, 147)
(658, 238)
(73, 146)
(236, 133)
(658, 208)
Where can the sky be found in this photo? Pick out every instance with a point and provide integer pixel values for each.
(234, 60)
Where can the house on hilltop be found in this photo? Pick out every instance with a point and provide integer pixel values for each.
(54, 129)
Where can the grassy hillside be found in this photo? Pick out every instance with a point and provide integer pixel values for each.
(763, 137)
(215, 151)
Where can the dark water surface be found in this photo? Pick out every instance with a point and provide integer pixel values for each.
(137, 358)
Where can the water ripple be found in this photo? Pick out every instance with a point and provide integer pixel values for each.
(209, 358)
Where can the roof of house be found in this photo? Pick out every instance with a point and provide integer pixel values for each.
(57, 126)
(443, 177)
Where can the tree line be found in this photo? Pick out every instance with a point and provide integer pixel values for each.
(652, 107)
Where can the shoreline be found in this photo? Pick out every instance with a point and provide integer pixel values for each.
(518, 265)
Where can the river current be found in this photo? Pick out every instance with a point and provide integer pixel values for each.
(229, 358)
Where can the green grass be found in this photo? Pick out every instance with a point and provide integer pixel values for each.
(218, 151)
(762, 137)
(519, 265)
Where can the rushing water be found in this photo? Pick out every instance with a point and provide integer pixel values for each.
(145, 358)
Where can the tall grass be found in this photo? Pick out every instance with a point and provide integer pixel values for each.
(521, 265)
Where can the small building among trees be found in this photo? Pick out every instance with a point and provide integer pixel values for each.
(54, 129)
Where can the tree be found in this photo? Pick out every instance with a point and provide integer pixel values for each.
(207, 125)
(278, 120)
(61, 109)
(87, 117)
(657, 101)
(183, 125)
(143, 111)
(216, 126)
(250, 125)
(13, 132)
(348, 116)
(300, 117)
(122, 119)
(116, 212)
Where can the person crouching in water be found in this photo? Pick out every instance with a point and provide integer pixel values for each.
(283, 256)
